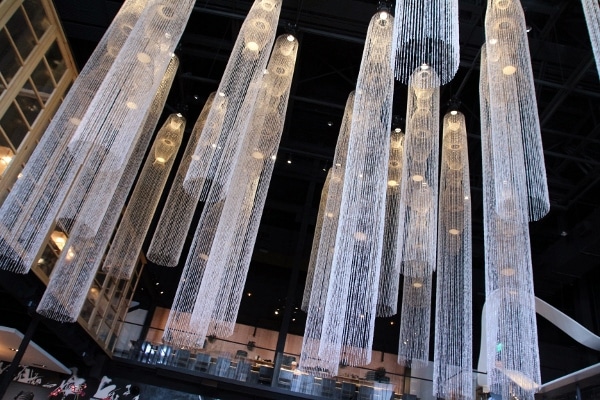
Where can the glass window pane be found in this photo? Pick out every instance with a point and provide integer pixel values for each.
(29, 102)
(56, 61)
(9, 62)
(21, 34)
(6, 153)
(37, 15)
(43, 81)
(13, 124)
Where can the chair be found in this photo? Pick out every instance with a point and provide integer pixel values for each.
(242, 371)
(348, 391)
(306, 384)
(285, 378)
(365, 392)
(181, 359)
(265, 374)
(327, 387)
(222, 367)
(202, 362)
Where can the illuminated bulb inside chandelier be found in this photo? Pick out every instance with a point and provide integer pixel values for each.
(392, 183)
(453, 112)
(257, 155)
(360, 236)
(75, 121)
(131, 105)
(453, 231)
(507, 271)
(383, 16)
(417, 285)
(143, 58)
(417, 178)
(290, 38)
(509, 70)
(267, 5)
(252, 46)
(502, 4)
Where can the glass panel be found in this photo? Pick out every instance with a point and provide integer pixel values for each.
(13, 124)
(47, 261)
(21, 34)
(6, 153)
(29, 102)
(86, 311)
(9, 62)
(37, 16)
(56, 61)
(43, 80)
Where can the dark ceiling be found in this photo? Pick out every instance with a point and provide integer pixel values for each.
(331, 33)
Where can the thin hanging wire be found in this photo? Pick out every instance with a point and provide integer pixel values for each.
(426, 32)
(591, 10)
(417, 225)
(511, 343)
(127, 242)
(389, 279)
(352, 294)
(177, 214)
(317, 288)
(512, 99)
(81, 256)
(453, 358)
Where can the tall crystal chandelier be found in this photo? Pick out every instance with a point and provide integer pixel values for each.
(312, 262)
(512, 99)
(315, 292)
(176, 217)
(512, 348)
(127, 242)
(95, 130)
(389, 278)
(220, 138)
(81, 255)
(418, 215)
(426, 32)
(453, 358)
(591, 10)
(227, 230)
(352, 294)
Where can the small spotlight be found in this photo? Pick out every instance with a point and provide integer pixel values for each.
(161, 292)
(276, 312)
(329, 123)
(528, 28)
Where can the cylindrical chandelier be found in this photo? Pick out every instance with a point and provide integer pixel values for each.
(81, 255)
(94, 131)
(512, 349)
(176, 218)
(452, 356)
(389, 279)
(127, 242)
(426, 32)
(316, 289)
(352, 294)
